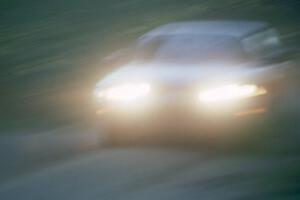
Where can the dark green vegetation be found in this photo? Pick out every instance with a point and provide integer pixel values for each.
(51, 50)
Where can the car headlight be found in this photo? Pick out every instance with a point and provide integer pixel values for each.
(126, 93)
(230, 92)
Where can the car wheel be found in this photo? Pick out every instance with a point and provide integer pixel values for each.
(284, 101)
(111, 136)
(114, 135)
(284, 110)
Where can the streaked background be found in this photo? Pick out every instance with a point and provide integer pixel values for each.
(51, 51)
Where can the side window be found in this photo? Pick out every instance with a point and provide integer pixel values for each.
(262, 44)
(147, 47)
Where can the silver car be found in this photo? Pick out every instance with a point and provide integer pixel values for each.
(202, 80)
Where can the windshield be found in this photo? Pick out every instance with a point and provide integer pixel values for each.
(191, 49)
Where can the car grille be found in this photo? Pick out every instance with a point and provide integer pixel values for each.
(176, 90)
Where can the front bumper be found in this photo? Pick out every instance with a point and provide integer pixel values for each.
(174, 114)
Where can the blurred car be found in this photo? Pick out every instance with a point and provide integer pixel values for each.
(200, 78)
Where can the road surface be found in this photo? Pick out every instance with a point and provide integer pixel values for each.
(153, 173)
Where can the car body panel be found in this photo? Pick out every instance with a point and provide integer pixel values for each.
(187, 74)
(178, 81)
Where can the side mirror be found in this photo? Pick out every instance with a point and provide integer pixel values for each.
(282, 55)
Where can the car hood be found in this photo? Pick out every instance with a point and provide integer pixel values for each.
(185, 74)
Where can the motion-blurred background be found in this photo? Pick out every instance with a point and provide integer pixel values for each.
(51, 50)
(51, 56)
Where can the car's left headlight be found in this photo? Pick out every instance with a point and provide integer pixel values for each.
(125, 93)
(230, 92)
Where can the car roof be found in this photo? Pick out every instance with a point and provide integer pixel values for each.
(237, 29)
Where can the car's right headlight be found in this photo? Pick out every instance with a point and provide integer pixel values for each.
(125, 93)
(230, 92)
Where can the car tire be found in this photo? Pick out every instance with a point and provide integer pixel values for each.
(118, 136)
(283, 115)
